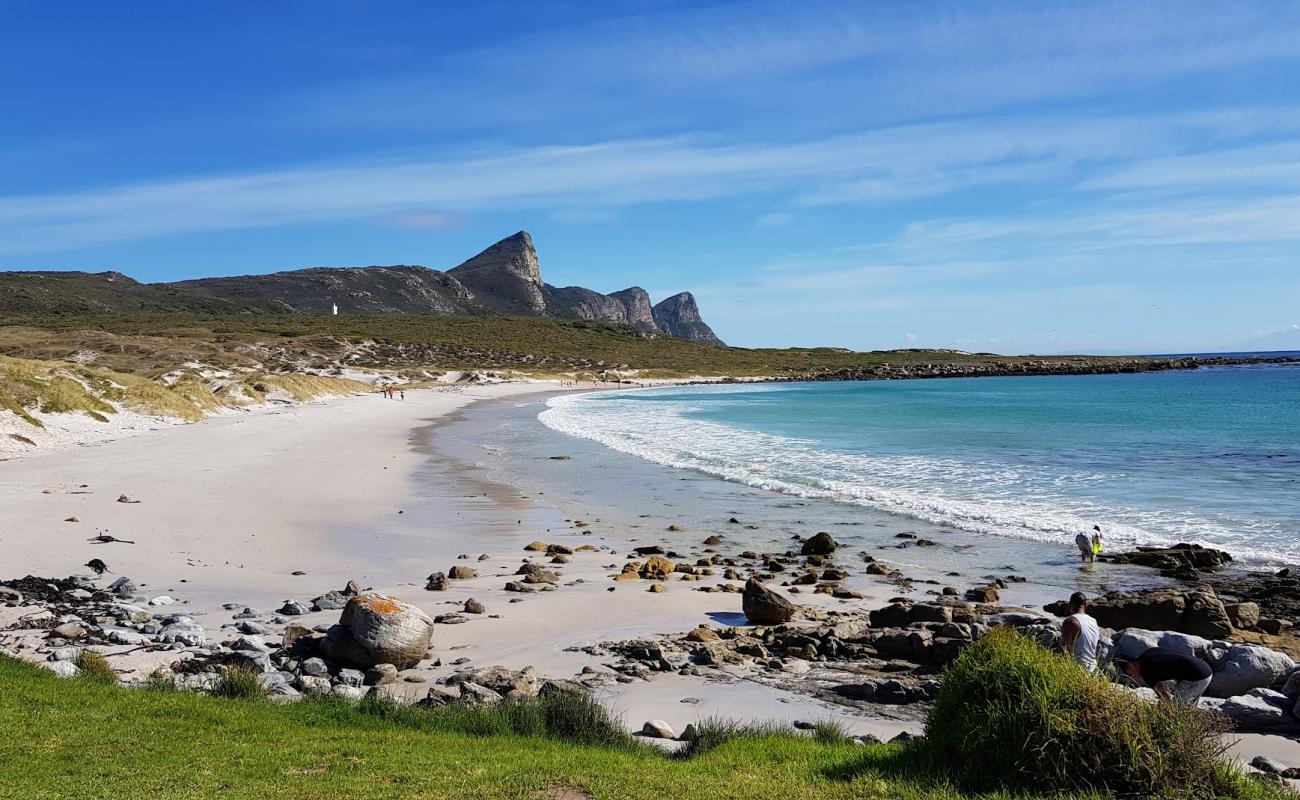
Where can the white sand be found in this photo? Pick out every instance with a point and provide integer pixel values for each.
(230, 507)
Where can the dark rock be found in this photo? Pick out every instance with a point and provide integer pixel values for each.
(763, 606)
(1196, 611)
(1180, 556)
(820, 544)
(293, 608)
(865, 691)
(330, 601)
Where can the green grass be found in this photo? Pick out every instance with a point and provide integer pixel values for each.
(85, 739)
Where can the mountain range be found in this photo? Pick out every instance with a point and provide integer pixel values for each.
(504, 279)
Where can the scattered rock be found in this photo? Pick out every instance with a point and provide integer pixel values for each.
(437, 582)
(658, 729)
(330, 601)
(293, 608)
(1266, 764)
(763, 606)
(986, 594)
(473, 606)
(820, 544)
(64, 669)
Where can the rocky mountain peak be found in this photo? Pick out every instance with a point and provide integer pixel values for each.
(636, 307)
(679, 316)
(508, 272)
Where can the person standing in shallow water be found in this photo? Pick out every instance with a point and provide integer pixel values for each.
(1084, 543)
(1080, 634)
(1096, 541)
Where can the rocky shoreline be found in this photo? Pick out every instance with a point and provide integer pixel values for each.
(1068, 366)
(885, 660)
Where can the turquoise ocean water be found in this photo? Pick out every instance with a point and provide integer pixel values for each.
(1209, 456)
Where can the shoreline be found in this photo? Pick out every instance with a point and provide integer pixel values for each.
(228, 540)
(393, 511)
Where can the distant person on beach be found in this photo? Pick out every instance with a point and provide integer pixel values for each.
(402, 392)
(1096, 541)
(1174, 677)
(1084, 542)
(1080, 634)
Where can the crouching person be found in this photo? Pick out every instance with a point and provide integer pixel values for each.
(1175, 677)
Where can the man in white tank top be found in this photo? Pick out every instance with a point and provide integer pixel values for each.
(1080, 634)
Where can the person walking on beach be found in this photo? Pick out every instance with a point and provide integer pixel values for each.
(402, 392)
(1175, 677)
(1080, 634)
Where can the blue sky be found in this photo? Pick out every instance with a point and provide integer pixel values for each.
(1018, 177)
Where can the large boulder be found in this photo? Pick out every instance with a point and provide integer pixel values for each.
(1180, 557)
(1196, 611)
(1246, 667)
(1133, 642)
(378, 629)
(820, 544)
(1261, 709)
(765, 607)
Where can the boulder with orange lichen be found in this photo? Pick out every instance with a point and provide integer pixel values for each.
(378, 629)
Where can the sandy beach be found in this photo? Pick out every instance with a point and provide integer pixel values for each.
(254, 510)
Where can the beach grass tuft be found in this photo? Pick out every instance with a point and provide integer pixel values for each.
(239, 682)
(1013, 715)
(94, 667)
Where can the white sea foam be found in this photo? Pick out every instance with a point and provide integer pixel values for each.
(980, 496)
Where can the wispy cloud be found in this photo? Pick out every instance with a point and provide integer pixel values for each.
(872, 63)
(904, 161)
(422, 220)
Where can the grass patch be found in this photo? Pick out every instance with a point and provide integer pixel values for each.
(712, 733)
(84, 739)
(94, 667)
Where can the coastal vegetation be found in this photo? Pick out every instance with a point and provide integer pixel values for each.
(1007, 709)
(151, 343)
(186, 392)
(1012, 714)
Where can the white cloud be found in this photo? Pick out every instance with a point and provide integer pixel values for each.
(774, 219)
(900, 162)
(765, 62)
